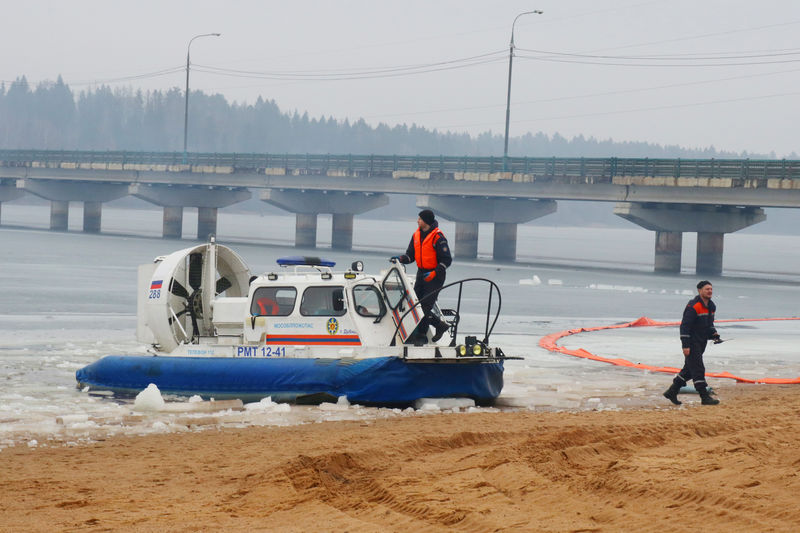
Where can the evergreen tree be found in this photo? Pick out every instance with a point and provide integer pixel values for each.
(51, 117)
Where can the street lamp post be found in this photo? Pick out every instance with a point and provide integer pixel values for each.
(508, 97)
(186, 101)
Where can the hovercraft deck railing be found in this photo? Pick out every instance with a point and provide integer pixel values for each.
(456, 313)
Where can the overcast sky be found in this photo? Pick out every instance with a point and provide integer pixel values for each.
(694, 73)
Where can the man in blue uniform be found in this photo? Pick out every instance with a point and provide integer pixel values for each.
(697, 328)
(429, 248)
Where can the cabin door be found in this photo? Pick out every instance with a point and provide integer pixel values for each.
(400, 297)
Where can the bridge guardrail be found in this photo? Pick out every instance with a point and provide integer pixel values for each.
(599, 169)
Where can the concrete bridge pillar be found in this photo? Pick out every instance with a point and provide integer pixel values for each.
(173, 223)
(711, 222)
(305, 230)
(206, 222)
(92, 216)
(61, 193)
(8, 192)
(342, 231)
(505, 241)
(306, 205)
(505, 213)
(59, 215)
(669, 245)
(466, 243)
(174, 198)
(709, 252)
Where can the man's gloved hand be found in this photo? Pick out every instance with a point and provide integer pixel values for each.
(394, 259)
(437, 271)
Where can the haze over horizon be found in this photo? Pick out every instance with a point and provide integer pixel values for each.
(714, 74)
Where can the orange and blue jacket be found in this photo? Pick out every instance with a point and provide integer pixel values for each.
(697, 325)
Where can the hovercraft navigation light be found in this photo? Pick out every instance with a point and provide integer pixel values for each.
(299, 260)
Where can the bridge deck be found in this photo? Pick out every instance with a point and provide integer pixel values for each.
(602, 170)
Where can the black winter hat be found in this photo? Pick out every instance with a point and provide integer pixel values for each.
(427, 216)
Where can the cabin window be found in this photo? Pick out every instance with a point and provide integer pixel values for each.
(323, 301)
(273, 301)
(367, 300)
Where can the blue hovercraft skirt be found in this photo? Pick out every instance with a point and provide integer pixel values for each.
(374, 381)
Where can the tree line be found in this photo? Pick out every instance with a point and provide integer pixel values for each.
(51, 116)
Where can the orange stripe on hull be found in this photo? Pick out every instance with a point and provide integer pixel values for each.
(317, 340)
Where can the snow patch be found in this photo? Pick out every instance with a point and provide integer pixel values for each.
(439, 404)
(149, 399)
(266, 405)
(341, 405)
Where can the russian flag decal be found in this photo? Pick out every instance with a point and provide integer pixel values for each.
(156, 284)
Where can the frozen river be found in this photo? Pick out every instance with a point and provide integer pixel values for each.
(69, 299)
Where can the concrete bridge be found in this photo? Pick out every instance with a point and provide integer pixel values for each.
(668, 196)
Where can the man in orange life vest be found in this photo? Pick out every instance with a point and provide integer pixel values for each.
(429, 248)
(697, 328)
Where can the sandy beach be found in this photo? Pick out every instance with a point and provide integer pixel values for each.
(733, 467)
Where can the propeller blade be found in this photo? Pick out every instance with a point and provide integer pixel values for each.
(195, 270)
(178, 314)
(223, 284)
(195, 328)
(178, 290)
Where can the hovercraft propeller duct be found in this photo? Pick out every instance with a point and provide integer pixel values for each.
(194, 301)
(182, 312)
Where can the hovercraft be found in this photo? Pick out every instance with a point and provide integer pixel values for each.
(303, 333)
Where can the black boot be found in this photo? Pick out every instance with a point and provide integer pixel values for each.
(706, 399)
(671, 393)
(441, 329)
